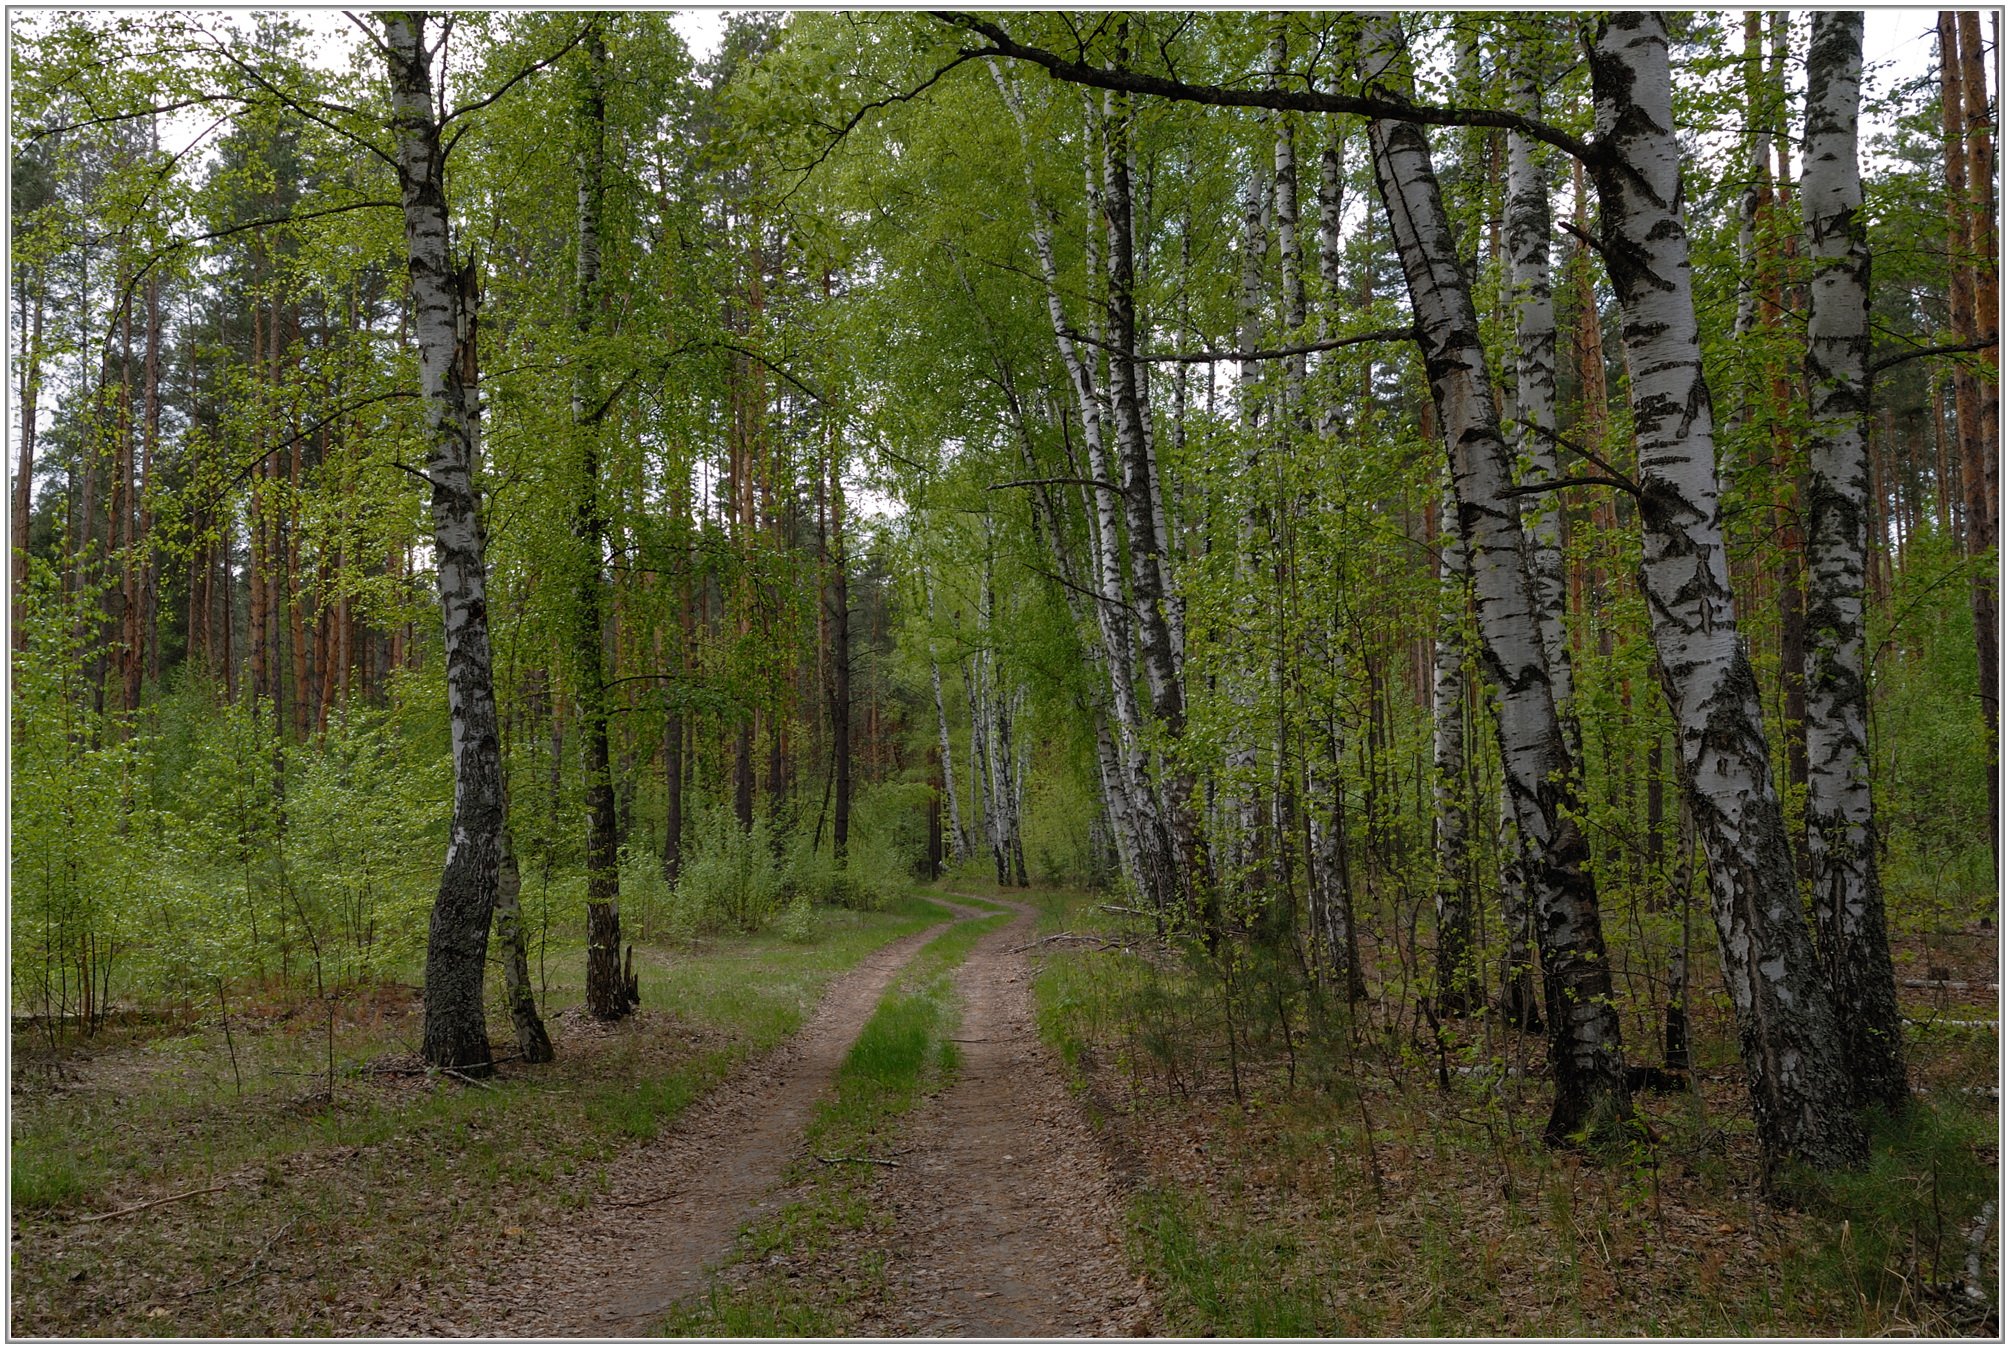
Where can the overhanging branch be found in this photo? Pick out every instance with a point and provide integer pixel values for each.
(1079, 71)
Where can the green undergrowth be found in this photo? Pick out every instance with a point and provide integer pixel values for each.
(1346, 1191)
(902, 1055)
(438, 1166)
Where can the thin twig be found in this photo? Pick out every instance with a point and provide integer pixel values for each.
(1101, 943)
(643, 1203)
(1915, 353)
(1261, 354)
(873, 1161)
(471, 1081)
(152, 1203)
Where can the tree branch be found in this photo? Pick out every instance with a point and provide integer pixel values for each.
(1055, 482)
(1951, 349)
(1558, 484)
(1278, 100)
(516, 79)
(1267, 354)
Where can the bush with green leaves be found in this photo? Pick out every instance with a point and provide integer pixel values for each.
(83, 835)
(731, 880)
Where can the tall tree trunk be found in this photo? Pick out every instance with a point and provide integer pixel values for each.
(256, 509)
(674, 721)
(1786, 1027)
(1191, 884)
(606, 991)
(532, 1042)
(24, 466)
(456, 1032)
(1458, 976)
(959, 843)
(1528, 236)
(1975, 255)
(1155, 858)
(1584, 1026)
(1842, 840)
(840, 639)
(1244, 843)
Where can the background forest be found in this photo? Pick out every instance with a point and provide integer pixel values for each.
(887, 450)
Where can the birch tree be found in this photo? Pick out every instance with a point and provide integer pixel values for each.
(456, 1031)
(1585, 1051)
(608, 997)
(1842, 837)
(1786, 1026)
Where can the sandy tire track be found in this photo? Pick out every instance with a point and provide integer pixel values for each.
(1007, 1218)
(615, 1271)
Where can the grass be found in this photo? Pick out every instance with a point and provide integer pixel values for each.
(398, 1177)
(902, 1054)
(1332, 1187)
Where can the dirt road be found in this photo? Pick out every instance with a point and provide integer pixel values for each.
(1007, 1221)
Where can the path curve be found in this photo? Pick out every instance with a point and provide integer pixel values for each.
(617, 1268)
(1007, 1218)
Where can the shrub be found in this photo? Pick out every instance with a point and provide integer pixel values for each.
(730, 880)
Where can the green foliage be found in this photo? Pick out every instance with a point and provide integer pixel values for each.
(41, 1178)
(1227, 1283)
(1929, 747)
(638, 1111)
(1908, 1221)
(731, 880)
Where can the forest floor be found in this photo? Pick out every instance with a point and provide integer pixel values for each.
(181, 1178)
(1309, 1172)
(909, 1161)
(985, 1113)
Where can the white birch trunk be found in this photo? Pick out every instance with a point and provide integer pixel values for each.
(1151, 851)
(1786, 1026)
(959, 842)
(1528, 238)
(1842, 843)
(1242, 804)
(456, 1033)
(1583, 1025)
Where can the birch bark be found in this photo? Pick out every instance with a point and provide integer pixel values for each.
(959, 845)
(1151, 849)
(1786, 1026)
(1528, 238)
(456, 1031)
(1842, 842)
(606, 993)
(1583, 1024)
(1187, 882)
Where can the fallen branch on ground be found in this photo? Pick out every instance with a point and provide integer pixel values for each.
(874, 1161)
(1101, 943)
(471, 1081)
(1951, 985)
(643, 1203)
(152, 1203)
